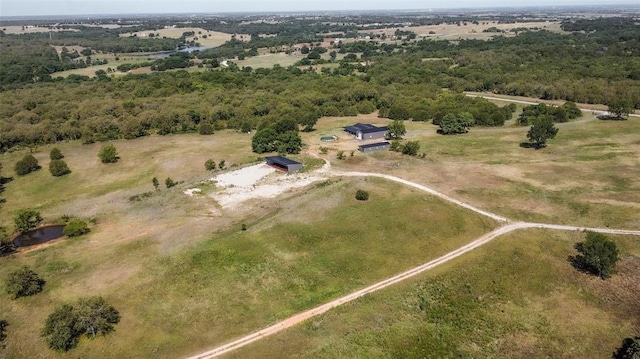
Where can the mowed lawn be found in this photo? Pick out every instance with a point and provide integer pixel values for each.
(314, 247)
(515, 297)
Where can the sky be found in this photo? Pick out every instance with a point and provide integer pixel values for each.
(86, 7)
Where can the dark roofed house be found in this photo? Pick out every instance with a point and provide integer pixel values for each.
(284, 164)
(374, 146)
(365, 131)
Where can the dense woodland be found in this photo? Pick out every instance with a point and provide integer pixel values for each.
(598, 63)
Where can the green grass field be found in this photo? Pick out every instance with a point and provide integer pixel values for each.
(185, 277)
(516, 297)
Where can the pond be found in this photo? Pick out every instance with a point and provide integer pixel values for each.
(39, 235)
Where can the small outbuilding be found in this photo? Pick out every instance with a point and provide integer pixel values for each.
(284, 164)
(374, 146)
(365, 131)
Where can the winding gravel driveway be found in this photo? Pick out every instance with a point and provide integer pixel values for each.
(508, 226)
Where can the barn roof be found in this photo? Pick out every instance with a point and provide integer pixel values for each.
(365, 128)
(283, 161)
(377, 144)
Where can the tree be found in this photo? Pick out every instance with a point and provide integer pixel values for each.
(169, 182)
(542, 130)
(59, 329)
(210, 165)
(222, 165)
(56, 154)
(27, 165)
(309, 120)
(108, 154)
(26, 219)
(75, 228)
(206, 129)
(630, 349)
(411, 148)
(155, 183)
(620, 107)
(362, 195)
(455, 124)
(572, 110)
(91, 316)
(58, 168)
(23, 283)
(599, 255)
(3, 330)
(94, 316)
(6, 244)
(396, 129)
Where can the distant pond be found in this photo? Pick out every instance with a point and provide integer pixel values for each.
(38, 236)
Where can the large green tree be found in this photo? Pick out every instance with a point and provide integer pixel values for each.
(542, 130)
(27, 165)
(396, 129)
(108, 154)
(456, 123)
(24, 282)
(91, 316)
(599, 254)
(620, 107)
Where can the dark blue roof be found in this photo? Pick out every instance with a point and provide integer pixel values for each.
(377, 144)
(282, 160)
(365, 128)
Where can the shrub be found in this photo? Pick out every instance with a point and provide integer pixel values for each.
(6, 244)
(75, 228)
(411, 148)
(27, 165)
(3, 330)
(206, 129)
(26, 219)
(169, 182)
(108, 154)
(56, 154)
(58, 168)
(340, 155)
(210, 165)
(23, 283)
(362, 195)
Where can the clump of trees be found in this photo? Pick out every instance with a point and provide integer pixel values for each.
(108, 154)
(598, 255)
(281, 136)
(620, 107)
(91, 316)
(75, 228)
(542, 130)
(26, 165)
(531, 114)
(57, 166)
(452, 124)
(24, 282)
(26, 219)
(410, 148)
(630, 349)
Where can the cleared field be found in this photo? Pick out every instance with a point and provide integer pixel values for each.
(469, 31)
(516, 297)
(588, 175)
(213, 38)
(301, 250)
(17, 29)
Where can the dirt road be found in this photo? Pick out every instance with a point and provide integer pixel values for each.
(506, 228)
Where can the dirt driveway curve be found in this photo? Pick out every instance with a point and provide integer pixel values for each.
(508, 226)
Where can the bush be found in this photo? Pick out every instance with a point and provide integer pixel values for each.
(90, 316)
(108, 154)
(75, 228)
(169, 182)
(6, 244)
(27, 165)
(58, 168)
(26, 219)
(411, 148)
(210, 165)
(56, 154)
(206, 129)
(3, 330)
(362, 195)
(23, 283)
(598, 255)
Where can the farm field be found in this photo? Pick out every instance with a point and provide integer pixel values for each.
(214, 38)
(215, 281)
(515, 297)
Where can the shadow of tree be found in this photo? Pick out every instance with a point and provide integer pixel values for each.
(611, 118)
(530, 145)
